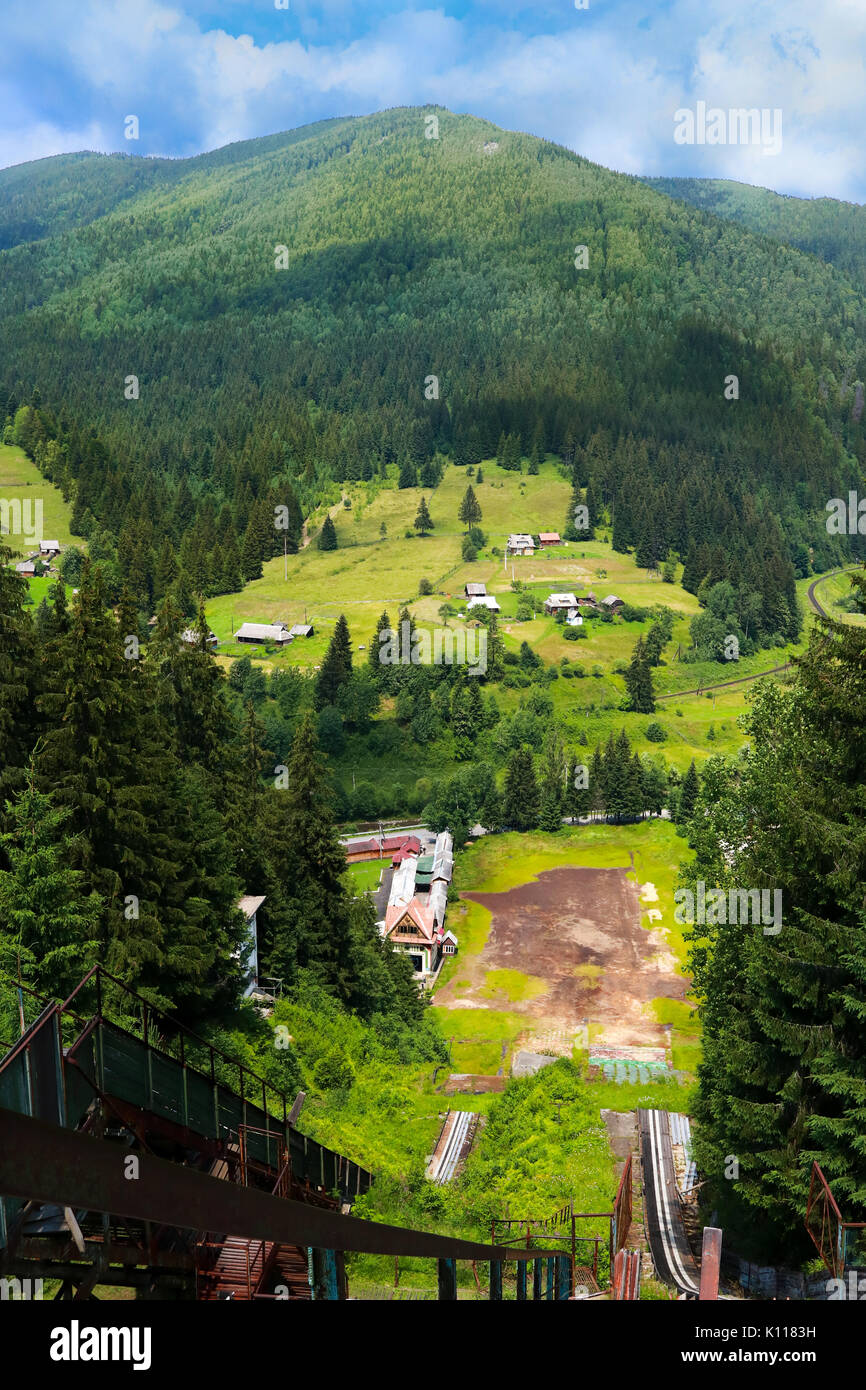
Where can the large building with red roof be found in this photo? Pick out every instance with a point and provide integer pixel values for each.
(414, 919)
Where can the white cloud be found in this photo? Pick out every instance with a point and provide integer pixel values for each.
(607, 83)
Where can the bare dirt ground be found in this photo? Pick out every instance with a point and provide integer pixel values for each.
(579, 931)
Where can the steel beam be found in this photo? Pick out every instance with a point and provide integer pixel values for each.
(45, 1163)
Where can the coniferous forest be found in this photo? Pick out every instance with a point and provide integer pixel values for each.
(140, 804)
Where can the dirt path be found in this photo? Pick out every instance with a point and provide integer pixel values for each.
(332, 513)
(579, 931)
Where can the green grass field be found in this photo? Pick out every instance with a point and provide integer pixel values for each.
(364, 877)
(369, 574)
(20, 480)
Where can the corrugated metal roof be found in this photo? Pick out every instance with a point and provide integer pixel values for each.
(263, 632)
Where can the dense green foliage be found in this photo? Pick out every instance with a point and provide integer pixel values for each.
(782, 1081)
(141, 801)
(825, 227)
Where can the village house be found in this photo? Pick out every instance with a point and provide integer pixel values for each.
(483, 601)
(549, 538)
(574, 619)
(414, 920)
(587, 600)
(475, 590)
(264, 632)
(302, 630)
(49, 548)
(560, 603)
(393, 847)
(519, 544)
(26, 567)
(612, 603)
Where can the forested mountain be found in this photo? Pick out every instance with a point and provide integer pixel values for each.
(825, 227)
(407, 258)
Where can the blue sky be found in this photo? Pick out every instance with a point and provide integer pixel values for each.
(605, 80)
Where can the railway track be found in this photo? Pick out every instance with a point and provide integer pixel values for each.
(773, 670)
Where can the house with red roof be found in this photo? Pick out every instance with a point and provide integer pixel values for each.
(414, 919)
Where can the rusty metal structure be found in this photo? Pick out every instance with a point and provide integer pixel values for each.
(841, 1244)
(622, 1209)
(711, 1261)
(134, 1153)
(583, 1250)
(625, 1283)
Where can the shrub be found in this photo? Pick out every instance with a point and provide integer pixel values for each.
(425, 587)
(632, 614)
(655, 732)
(333, 1071)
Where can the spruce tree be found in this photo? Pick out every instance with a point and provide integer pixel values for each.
(104, 761)
(328, 535)
(408, 476)
(315, 931)
(688, 794)
(521, 798)
(597, 789)
(423, 520)
(48, 927)
(553, 781)
(470, 510)
(336, 667)
(251, 558)
(375, 648)
(781, 1084)
(17, 679)
(638, 681)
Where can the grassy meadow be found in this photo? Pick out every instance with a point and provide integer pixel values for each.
(20, 480)
(370, 573)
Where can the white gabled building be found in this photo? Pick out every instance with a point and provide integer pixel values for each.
(520, 544)
(263, 632)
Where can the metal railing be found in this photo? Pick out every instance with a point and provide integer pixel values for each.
(841, 1244)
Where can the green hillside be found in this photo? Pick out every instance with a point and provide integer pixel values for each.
(824, 227)
(427, 303)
